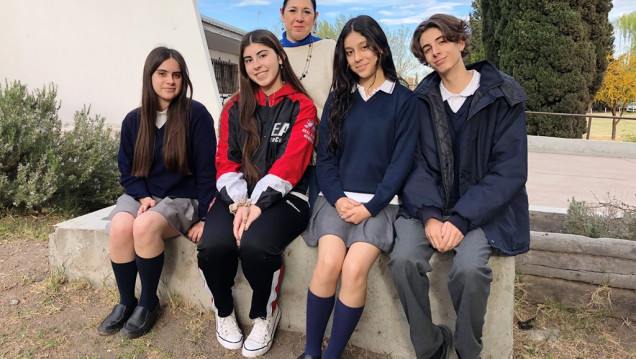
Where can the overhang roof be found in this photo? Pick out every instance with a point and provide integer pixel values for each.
(221, 36)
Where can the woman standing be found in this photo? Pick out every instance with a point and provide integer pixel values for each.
(265, 143)
(311, 58)
(368, 136)
(166, 169)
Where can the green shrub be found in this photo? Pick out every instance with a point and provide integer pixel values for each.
(611, 219)
(88, 160)
(42, 166)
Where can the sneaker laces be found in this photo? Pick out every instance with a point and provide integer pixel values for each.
(260, 330)
(227, 325)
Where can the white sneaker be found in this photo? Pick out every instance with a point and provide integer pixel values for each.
(262, 335)
(228, 332)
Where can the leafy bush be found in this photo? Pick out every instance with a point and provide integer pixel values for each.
(611, 219)
(42, 166)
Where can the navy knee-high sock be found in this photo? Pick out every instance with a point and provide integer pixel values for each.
(125, 277)
(318, 313)
(149, 273)
(345, 320)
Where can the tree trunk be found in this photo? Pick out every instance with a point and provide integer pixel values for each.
(615, 122)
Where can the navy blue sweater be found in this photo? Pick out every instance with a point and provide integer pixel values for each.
(163, 183)
(376, 148)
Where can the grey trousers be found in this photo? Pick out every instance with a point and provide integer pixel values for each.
(468, 283)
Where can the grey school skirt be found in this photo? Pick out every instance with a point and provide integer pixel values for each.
(377, 230)
(181, 213)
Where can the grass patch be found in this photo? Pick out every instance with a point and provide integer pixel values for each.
(572, 333)
(37, 227)
(602, 128)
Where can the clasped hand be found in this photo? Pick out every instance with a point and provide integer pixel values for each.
(351, 211)
(443, 236)
(243, 218)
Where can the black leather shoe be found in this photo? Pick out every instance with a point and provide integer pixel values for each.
(307, 356)
(141, 322)
(116, 319)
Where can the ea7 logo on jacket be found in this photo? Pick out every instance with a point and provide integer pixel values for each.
(278, 131)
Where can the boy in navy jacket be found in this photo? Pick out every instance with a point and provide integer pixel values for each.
(466, 192)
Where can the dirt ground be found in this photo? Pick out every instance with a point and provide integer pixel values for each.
(44, 316)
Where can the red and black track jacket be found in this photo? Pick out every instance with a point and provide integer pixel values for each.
(287, 126)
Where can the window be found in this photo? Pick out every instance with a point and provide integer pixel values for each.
(226, 74)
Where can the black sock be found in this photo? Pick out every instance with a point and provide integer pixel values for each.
(149, 273)
(125, 277)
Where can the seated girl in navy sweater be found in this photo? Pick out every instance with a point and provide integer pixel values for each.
(168, 175)
(266, 138)
(367, 138)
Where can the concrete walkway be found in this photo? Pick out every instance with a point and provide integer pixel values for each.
(553, 179)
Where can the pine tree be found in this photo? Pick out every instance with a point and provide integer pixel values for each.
(475, 22)
(556, 49)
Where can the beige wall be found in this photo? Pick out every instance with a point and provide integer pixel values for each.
(214, 54)
(94, 50)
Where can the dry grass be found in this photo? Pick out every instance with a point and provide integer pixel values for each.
(36, 226)
(582, 332)
(602, 128)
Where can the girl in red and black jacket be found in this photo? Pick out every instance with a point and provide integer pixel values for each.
(266, 139)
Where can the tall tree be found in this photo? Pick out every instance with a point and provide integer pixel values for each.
(556, 49)
(619, 86)
(406, 64)
(626, 28)
(475, 22)
(331, 30)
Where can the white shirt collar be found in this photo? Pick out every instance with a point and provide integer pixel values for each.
(455, 101)
(162, 116)
(387, 87)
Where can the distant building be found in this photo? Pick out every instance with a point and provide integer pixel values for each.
(223, 45)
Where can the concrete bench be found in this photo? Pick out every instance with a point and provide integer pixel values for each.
(80, 246)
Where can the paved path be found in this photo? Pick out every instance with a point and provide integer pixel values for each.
(553, 179)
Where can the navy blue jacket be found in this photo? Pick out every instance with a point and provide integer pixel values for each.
(160, 182)
(493, 162)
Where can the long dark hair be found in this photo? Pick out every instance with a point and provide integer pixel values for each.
(174, 154)
(247, 98)
(344, 78)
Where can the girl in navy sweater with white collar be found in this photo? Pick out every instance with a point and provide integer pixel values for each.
(367, 139)
(166, 160)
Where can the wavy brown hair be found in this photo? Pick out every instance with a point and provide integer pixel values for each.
(453, 29)
(247, 98)
(175, 155)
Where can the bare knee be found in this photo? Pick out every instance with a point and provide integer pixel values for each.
(146, 231)
(327, 270)
(120, 238)
(354, 276)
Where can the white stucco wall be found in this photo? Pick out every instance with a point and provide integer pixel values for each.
(95, 50)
